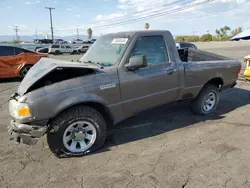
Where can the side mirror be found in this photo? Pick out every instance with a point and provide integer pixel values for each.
(136, 62)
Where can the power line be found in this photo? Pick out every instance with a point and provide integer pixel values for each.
(155, 15)
(162, 7)
(15, 28)
(142, 11)
(51, 24)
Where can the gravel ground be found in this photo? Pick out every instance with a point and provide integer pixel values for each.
(166, 147)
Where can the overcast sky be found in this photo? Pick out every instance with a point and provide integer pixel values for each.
(101, 14)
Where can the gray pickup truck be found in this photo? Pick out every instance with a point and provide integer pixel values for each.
(122, 74)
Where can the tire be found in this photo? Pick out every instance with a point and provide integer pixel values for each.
(63, 127)
(201, 105)
(24, 71)
(74, 52)
(57, 52)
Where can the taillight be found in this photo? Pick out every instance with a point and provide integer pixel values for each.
(238, 72)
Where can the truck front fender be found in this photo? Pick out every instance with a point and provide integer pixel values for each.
(78, 99)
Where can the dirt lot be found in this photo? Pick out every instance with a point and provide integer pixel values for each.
(166, 147)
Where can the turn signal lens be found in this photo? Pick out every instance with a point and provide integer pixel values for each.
(24, 112)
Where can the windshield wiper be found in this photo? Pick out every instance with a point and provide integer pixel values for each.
(92, 62)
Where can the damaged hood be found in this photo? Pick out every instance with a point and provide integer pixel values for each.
(45, 66)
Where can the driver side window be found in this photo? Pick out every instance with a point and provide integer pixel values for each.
(153, 47)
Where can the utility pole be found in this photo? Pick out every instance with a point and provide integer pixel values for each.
(36, 33)
(77, 33)
(15, 28)
(51, 24)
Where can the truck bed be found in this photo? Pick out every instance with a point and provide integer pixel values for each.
(190, 54)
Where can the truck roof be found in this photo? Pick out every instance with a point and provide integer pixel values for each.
(139, 31)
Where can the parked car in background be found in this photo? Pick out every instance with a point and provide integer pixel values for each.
(38, 47)
(58, 49)
(93, 40)
(16, 62)
(76, 41)
(43, 41)
(82, 49)
(60, 41)
(43, 50)
(185, 45)
(87, 43)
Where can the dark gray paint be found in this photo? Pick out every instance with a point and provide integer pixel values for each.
(134, 91)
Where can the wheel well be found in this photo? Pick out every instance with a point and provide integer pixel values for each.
(215, 81)
(97, 106)
(27, 65)
(103, 110)
(20, 69)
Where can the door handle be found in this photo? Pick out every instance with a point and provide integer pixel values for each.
(170, 71)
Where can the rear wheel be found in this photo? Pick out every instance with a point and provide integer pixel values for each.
(207, 100)
(57, 52)
(76, 132)
(24, 71)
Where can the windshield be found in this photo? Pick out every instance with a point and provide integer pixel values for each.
(107, 50)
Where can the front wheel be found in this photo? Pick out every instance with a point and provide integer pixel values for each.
(24, 71)
(207, 100)
(77, 132)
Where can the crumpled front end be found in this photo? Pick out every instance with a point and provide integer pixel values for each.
(48, 71)
(24, 133)
(19, 129)
(25, 126)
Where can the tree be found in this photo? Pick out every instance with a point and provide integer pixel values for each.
(222, 33)
(236, 31)
(206, 38)
(89, 31)
(187, 38)
(146, 25)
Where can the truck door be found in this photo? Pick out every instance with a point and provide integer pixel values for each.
(153, 85)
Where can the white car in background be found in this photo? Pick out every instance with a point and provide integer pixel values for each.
(58, 49)
(76, 41)
(82, 49)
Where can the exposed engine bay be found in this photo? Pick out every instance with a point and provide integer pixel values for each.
(60, 74)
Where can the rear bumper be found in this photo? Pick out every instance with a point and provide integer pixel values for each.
(228, 86)
(233, 85)
(24, 133)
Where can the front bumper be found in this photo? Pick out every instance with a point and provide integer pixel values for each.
(24, 133)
